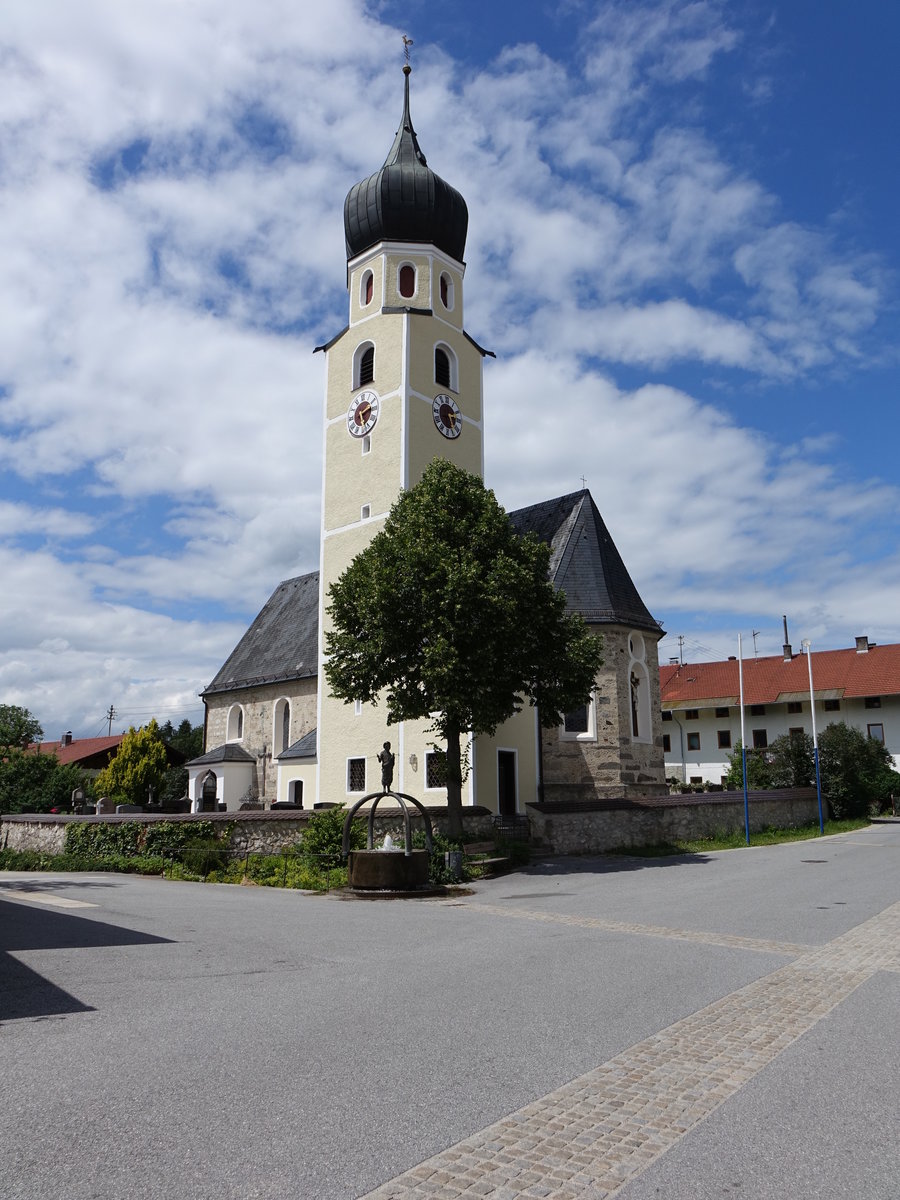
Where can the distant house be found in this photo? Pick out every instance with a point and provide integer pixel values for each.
(92, 754)
(701, 703)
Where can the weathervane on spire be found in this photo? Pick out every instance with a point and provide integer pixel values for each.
(407, 42)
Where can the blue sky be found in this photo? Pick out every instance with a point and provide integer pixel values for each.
(683, 248)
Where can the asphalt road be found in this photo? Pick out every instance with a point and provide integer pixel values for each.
(213, 1041)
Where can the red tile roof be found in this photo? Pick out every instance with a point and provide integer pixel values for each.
(79, 748)
(836, 673)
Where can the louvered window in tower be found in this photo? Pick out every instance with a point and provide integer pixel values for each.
(367, 366)
(442, 367)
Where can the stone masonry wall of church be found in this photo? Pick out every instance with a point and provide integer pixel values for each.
(258, 704)
(614, 765)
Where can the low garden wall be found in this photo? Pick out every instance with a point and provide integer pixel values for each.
(594, 827)
(263, 832)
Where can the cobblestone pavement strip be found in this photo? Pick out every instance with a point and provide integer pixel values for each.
(585, 1140)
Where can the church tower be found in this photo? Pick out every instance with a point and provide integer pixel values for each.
(404, 386)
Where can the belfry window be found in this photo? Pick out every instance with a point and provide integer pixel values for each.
(366, 366)
(442, 367)
(368, 288)
(446, 286)
(406, 281)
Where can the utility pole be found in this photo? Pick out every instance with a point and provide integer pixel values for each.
(109, 716)
(681, 649)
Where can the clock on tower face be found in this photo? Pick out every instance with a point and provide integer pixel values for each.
(447, 416)
(362, 414)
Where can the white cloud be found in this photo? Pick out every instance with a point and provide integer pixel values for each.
(171, 250)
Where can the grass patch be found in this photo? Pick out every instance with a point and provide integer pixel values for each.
(737, 841)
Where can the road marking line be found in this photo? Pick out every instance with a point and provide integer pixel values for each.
(585, 1140)
(44, 898)
(733, 941)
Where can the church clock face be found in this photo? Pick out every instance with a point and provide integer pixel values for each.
(362, 414)
(447, 416)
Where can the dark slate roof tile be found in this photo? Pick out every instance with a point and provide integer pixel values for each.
(306, 747)
(281, 644)
(584, 561)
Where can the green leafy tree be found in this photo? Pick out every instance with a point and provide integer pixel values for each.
(188, 739)
(37, 783)
(759, 770)
(449, 612)
(855, 771)
(791, 762)
(18, 728)
(140, 764)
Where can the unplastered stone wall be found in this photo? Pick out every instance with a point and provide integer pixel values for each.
(258, 704)
(615, 828)
(46, 834)
(614, 764)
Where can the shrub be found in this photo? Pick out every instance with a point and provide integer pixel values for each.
(324, 834)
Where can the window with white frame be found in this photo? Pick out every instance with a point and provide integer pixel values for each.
(435, 769)
(579, 724)
(281, 726)
(406, 281)
(234, 729)
(446, 374)
(356, 774)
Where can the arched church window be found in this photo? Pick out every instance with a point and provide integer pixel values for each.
(367, 290)
(281, 733)
(235, 725)
(407, 281)
(446, 285)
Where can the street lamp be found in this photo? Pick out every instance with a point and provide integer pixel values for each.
(806, 644)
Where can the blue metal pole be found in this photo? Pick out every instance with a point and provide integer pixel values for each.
(819, 789)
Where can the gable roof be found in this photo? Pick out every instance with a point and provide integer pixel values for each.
(584, 561)
(81, 750)
(836, 674)
(282, 643)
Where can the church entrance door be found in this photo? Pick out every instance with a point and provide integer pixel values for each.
(506, 782)
(208, 795)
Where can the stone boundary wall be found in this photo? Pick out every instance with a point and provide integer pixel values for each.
(600, 826)
(263, 832)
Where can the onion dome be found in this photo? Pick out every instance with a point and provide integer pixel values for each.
(405, 201)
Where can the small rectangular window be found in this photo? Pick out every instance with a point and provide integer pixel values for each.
(356, 774)
(696, 779)
(757, 710)
(365, 512)
(873, 702)
(760, 739)
(576, 721)
(667, 716)
(724, 736)
(693, 741)
(832, 706)
(794, 706)
(692, 714)
(667, 744)
(876, 733)
(357, 707)
(367, 444)
(435, 769)
(722, 711)
(795, 732)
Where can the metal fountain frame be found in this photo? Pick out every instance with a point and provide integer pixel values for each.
(403, 799)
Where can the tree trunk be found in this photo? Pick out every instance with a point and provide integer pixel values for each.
(454, 785)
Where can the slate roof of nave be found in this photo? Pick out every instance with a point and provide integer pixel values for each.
(281, 644)
(584, 561)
